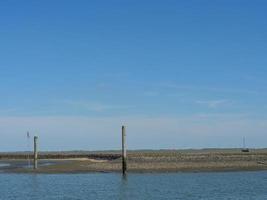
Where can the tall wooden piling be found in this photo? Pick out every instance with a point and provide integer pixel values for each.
(35, 152)
(124, 154)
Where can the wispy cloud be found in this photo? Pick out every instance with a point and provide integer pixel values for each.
(213, 103)
(210, 89)
(151, 93)
(95, 106)
(254, 78)
(9, 111)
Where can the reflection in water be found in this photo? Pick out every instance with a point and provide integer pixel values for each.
(185, 186)
(22, 164)
(34, 181)
(4, 164)
(123, 187)
(40, 163)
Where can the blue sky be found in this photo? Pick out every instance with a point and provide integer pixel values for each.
(179, 74)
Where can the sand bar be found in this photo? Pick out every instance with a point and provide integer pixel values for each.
(151, 161)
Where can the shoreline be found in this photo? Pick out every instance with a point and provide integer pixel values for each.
(156, 161)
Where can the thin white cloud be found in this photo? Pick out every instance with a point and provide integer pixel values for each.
(210, 89)
(151, 93)
(8, 110)
(94, 106)
(213, 103)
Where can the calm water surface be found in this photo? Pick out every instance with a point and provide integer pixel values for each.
(184, 186)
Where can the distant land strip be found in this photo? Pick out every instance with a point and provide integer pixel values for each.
(139, 161)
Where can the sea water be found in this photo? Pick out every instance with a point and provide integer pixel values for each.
(184, 186)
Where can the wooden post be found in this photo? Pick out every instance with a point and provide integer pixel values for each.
(124, 155)
(35, 153)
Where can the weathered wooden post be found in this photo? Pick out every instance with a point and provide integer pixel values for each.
(35, 152)
(124, 154)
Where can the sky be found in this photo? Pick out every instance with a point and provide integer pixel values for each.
(177, 74)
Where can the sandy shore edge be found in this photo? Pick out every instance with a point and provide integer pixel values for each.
(144, 162)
